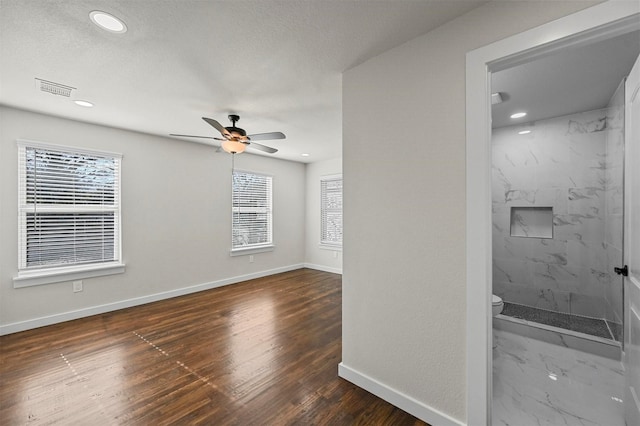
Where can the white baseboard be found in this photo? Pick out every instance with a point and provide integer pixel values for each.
(400, 400)
(323, 268)
(108, 307)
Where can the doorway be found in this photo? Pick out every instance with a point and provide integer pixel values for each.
(557, 192)
(598, 23)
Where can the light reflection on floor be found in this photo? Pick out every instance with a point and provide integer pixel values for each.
(539, 383)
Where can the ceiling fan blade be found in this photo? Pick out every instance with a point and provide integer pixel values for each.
(219, 127)
(266, 136)
(263, 148)
(194, 136)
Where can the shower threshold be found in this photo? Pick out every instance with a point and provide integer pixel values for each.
(582, 333)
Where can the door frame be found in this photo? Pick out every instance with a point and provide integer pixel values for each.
(597, 23)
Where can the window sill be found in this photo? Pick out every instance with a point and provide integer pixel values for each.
(336, 247)
(251, 250)
(50, 276)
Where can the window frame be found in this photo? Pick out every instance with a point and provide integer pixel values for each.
(252, 248)
(325, 243)
(39, 275)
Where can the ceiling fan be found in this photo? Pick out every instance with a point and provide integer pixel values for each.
(235, 140)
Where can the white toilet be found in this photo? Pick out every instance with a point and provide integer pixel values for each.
(496, 307)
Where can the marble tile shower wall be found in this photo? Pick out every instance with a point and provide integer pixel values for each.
(560, 164)
(613, 223)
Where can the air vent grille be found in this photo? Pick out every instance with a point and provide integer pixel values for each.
(53, 88)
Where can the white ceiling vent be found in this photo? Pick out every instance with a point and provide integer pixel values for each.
(53, 88)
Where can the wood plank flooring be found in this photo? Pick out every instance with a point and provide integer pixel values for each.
(262, 352)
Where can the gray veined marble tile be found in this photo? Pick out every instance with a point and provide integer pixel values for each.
(512, 155)
(555, 277)
(579, 227)
(550, 151)
(522, 178)
(512, 270)
(587, 305)
(556, 175)
(500, 225)
(550, 258)
(589, 255)
(520, 196)
(583, 123)
(548, 251)
(588, 149)
(557, 301)
(548, 299)
(588, 201)
(566, 164)
(614, 229)
(549, 197)
(556, 198)
(614, 196)
(499, 184)
(504, 247)
(589, 176)
(538, 383)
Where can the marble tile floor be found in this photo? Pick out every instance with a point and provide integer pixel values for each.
(543, 384)
(591, 326)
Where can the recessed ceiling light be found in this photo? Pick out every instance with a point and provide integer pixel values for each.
(305, 155)
(108, 22)
(83, 103)
(524, 132)
(518, 115)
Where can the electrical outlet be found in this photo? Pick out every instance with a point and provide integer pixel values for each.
(251, 259)
(77, 286)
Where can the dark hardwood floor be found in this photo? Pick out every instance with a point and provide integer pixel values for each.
(262, 352)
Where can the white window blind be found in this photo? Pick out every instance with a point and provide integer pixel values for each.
(69, 207)
(251, 211)
(331, 210)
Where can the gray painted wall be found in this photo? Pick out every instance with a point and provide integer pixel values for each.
(404, 288)
(175, 218)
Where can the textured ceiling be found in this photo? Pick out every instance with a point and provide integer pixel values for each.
(276, 63)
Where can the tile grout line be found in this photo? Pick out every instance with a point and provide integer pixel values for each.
(610, 332)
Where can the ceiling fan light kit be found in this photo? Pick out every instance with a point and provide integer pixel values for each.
(235, 140)
(233, 147)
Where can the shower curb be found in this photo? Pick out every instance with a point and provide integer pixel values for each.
(559, 336)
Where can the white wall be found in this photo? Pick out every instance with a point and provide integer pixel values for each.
(404, 291)
(316, 257)
(175, 220)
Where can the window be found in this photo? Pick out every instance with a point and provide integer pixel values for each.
(331, 211)
(69, 212)
(251, 212)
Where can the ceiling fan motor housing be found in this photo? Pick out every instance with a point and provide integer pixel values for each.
(236, 131)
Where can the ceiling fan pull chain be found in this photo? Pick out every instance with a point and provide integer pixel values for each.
(233, 158)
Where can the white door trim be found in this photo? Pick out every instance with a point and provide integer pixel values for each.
(631, 358)
(597, 23)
